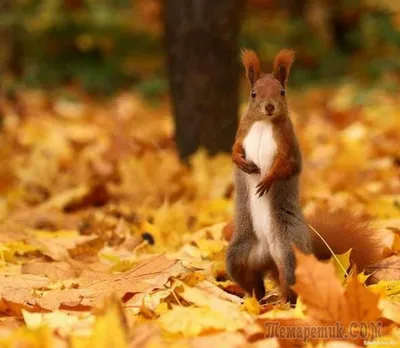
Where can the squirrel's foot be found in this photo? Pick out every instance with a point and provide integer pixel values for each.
(291, 297)
(263, 187)
(248, 167)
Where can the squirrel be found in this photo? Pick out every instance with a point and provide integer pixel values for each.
(268, 218)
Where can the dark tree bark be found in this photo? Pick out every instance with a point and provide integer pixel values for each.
(295, 8)
(10, 45)
(201, 39)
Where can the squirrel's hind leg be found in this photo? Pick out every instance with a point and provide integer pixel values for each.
(249, 279)
(240, 268)
(284, 274)
(285, 259)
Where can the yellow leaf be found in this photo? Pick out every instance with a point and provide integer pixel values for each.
(109, 329)
(161, 308)
(62, 321)
(252, 306)
(194, 321)
(390, 288)
(362, 277)
(210, 247)
(342, 264)
(385, 207)
(8, 250)
(300, 309)
(25, 337)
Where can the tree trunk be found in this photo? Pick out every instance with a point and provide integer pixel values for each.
(201, 39)
(295, 8)
(10, 46)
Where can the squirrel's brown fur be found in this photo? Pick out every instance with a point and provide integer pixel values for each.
(342, 231)
(284, 58)
(252, 65)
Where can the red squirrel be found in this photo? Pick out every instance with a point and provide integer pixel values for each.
(268, 218)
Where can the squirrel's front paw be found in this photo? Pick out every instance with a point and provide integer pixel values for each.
(263, 187)
(248, 167)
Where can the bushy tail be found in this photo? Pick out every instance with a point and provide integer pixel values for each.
(343, 231)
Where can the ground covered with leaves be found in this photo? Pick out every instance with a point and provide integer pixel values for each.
(107, 240)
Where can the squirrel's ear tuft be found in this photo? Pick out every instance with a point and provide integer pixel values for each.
(252, 65)
(282, 64)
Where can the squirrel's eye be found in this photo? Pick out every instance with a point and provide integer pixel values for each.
(253, 93)
(283, 92)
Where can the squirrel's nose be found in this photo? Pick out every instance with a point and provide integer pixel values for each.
(269, 108)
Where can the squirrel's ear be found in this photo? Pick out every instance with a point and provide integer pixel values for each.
(282, 64)
(252, 65)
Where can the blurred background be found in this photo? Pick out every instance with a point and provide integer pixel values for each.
(104, 46)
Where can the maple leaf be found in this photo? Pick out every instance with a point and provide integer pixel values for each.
(146, 276)
(387, 269)
(53, 270)
(320, 290)
(326, 301)
(57, 244)
(362, 304)
(16, 291)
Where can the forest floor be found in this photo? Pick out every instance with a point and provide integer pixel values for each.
(107, 240)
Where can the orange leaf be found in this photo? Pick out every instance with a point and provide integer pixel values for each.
(320, 290)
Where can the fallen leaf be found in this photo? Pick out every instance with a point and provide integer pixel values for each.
(387, 269)
(252, 306)
(342, 264)
(320, 290)
(16, 291)
(390, 310)
(110, 329)
(220, 340)
(194, 321)
(52, 270)
(146, 276)
(362, 304)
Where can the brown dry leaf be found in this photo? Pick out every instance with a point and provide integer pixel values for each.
(16, 291)
(320, 290)
(387, 269)
(146, 276)
(52, 270)
(57, 245)
(390, 310)
(212, 289)
(227, 232)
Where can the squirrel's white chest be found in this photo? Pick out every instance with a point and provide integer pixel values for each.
(261, 148)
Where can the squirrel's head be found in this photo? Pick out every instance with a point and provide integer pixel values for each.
(267, 95)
